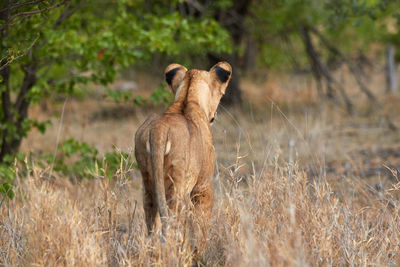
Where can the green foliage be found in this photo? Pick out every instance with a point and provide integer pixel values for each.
(355, 11)
(70, 48)
(80, 43)
(80, 160)
(354, 25)
(118, 95)
(74, 159)
(74, 43)
(7, 190)
(7, 174)
(160, 95)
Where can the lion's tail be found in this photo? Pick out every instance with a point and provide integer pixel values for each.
(158, 141)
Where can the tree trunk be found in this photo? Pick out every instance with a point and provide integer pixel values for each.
(313, 57)
(391, 75)
(250, 55)
(233, 20)
(321, 71)
(5, 91)
(13, 114)
(16, 114)
(355, 71)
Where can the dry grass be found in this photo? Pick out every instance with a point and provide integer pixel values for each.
(279, 217)
(291, 188)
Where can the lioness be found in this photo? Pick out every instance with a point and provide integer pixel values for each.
(175, 151)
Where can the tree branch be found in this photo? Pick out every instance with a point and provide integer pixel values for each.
(68, 13)
(33, 12)
(21, 5)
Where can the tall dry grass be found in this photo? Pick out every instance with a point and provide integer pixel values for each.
(280, 196)
(279, 217)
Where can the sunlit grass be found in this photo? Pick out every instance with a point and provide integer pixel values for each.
(290, 189)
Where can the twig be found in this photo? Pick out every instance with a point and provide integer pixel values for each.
(19, 56)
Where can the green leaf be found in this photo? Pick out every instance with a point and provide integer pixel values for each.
(6, 189)
(161, 95)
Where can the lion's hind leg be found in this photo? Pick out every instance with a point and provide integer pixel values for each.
(202, 199)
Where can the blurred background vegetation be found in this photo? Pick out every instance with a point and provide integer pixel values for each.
(52, 50)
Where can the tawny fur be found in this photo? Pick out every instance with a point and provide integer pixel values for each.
(174, 151)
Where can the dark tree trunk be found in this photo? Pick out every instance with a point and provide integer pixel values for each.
(5, 92)
(15, 114)
(321, 71)
(7, 112)
(250, 55)
(314, 60)
(233, 20)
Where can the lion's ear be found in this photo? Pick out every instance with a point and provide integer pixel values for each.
(174, 75)
(222, 71)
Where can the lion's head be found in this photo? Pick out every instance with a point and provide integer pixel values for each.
(201, 87)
